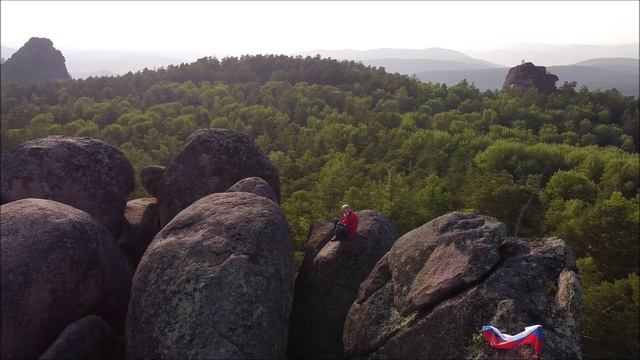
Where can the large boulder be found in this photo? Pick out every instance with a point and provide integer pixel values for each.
(210, 161)
(430, 295)
(254, 185)
(88, 338)
(150, 178)
(85, 173)
(216, 282)
(141, 225)
(527, 75)
(328, 282)
(58, 265)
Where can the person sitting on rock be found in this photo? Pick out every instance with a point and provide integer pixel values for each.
(347, 227)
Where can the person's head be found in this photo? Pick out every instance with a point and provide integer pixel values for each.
(346, 209)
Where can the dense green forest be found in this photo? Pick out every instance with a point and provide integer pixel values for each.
(562, 165)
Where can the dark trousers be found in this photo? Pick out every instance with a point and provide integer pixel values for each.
(341, 231)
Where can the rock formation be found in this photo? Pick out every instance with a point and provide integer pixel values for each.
(328, 281)
(36, 60)
(210, 161)
(141, 225)
(88, 338)
(254, 185)
(216, 282)
(150, 178)
(85, 173)
(58, 265)
(527, 75)
(441, 282)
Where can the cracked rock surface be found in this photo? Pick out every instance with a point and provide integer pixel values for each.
(216, 282)
(441, 282)
(141, 225)
(328, 281)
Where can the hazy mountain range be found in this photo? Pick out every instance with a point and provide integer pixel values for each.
(556, 54)
(597, 67)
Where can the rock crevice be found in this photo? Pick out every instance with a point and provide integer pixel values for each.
(328, 281)
(390, 319)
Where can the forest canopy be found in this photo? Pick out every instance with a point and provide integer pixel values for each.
(562, 165)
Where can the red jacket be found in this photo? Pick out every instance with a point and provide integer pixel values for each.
(350, 221)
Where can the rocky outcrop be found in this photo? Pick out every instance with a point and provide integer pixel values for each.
(140, 227)
(58, 265)
(441, 282)
(216, 282)
(210, 161)
(36, 60)
(150, 178)
(254, 185)
(88, 338)
(527, 75)
(85, 173)
(328, 281)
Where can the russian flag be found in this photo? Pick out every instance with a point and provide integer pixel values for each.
(531, 335)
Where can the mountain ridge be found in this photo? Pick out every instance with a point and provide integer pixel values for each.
(556, 54)
(435, 53)
(433, 64)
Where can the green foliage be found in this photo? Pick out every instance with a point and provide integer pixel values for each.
(477, 344)
(610, 322)
(498, 195)
(567, 185)
(608, 232)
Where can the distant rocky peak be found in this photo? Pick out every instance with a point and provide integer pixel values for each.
(36, 60)
(36, 42)
(527, 75)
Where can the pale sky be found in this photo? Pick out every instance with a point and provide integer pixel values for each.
(287, 27)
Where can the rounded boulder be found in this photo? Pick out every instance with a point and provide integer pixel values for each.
(88, 338)
(85, 173)
(216, 282)
(211, 161)
(254, 185)
(58, 265)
